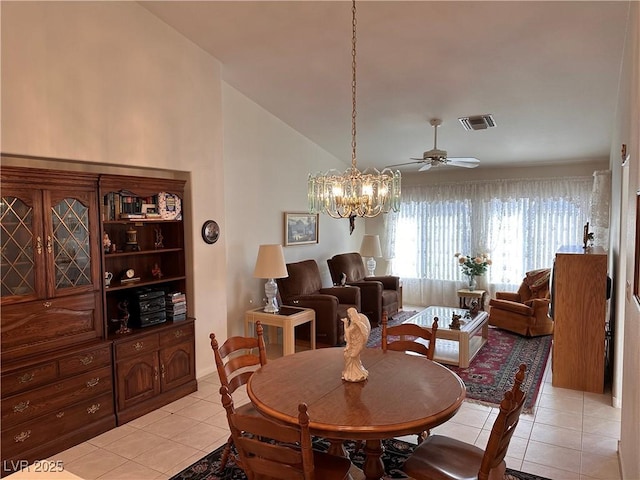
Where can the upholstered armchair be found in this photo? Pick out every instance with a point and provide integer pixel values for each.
(379, 293)
(526, 311)
(303, 288)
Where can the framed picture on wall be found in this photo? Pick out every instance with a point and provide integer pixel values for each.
(300, 228)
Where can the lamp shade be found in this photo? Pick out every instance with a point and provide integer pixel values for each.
(270, 262)
(370, 246)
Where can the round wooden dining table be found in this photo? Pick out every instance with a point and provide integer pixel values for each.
(403, 394)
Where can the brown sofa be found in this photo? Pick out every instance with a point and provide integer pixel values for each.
(379, 293)
(303, 288)
(526, 311)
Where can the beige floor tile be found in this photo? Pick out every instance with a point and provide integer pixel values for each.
(551, 455)
(170, 426)
(471, 416)
(184, 463)
(74, 453)
(599, 444)
(209, 392)
(604, 467)
(199, 410)
(112, 435)
(201, 436)
(219, 419)
(464, 433)
(513, 463)
(90, 467)
(131, 470)
(134, 444)
(213, 377)
(167, 455)
(548, 471)
(600, 406)
(560, 436)
(561, 402)
(549, 389)
(601, 426)
(557, 418)
(523, 429)
(180, 404)
(149, 418)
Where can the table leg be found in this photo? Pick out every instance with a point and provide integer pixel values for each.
(336, 447)
(373, 467)
(288, 339)
(463, 350)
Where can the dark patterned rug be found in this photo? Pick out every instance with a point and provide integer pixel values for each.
(393, 457)
(491, 372)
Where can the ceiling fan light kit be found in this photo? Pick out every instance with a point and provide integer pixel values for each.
(436, 157)
(354, 193)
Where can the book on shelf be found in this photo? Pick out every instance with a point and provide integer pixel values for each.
(129, 280)
(175, 297)
(177, 309)
(176, 317)
(131, 215)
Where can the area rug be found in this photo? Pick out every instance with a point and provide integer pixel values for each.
(491, 372)
(395, 452)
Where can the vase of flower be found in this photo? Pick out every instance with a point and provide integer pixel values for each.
(472, 282)
(473, 266)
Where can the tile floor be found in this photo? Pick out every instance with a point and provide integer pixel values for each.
(570, 435)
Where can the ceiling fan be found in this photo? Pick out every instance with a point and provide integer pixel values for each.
(435, 157)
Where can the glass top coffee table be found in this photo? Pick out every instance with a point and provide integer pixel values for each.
(455, 346)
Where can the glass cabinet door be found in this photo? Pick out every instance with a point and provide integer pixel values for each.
(68, 240)
(22, 244)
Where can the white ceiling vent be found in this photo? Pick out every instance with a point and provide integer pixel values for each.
(477, 122)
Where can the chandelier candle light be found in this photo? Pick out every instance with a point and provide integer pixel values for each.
(473, 267)
(354, 193)
(270, 264)
(370, 247)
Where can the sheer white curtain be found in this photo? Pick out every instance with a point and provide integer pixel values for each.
(519, 223)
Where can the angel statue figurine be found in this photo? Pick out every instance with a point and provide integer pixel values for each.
(356, 333)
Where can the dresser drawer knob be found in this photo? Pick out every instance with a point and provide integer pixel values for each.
(138, 346)
(26, 378)
(93, 382)
(178, 333)
(93, 408)
(21, 407)
(59, 414)
(86, 360)
(46, 304)
(22, 436)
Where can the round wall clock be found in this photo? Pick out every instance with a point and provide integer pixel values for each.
(210, 231)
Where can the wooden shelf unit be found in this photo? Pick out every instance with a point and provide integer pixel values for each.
(579, 297)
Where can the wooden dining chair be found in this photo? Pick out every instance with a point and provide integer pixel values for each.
(447, 458)
(409, 334)
(270, 450)
(236, 360)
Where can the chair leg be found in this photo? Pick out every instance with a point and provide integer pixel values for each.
(423, 435)
(225, 454)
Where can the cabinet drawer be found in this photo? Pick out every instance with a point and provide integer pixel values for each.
(40, 326)
(25, 406)
(85, 361)
(31, 434)
(27, 378)
(137, 346)
(176, 335)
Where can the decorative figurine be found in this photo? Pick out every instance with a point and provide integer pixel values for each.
(356, 332)
(158, 243)
(156, 272)
(474, 307)
(455, 322)
(132, 240)
(106, 243)
(124, 319)
(587, 237)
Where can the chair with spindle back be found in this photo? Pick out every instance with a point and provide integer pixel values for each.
(408, 334)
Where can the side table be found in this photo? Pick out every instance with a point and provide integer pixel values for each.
(465, 296)
(287, 318)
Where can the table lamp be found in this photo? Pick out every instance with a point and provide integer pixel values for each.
(270, 264)
(370, 247)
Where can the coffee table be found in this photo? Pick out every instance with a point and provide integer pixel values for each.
(455, 347)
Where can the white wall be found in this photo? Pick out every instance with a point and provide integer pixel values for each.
(266, 168)
(109, 83)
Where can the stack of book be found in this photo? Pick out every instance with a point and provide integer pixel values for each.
(176, 306)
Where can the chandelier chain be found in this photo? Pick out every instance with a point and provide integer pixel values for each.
(353, 85)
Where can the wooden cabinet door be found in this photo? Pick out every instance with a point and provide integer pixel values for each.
(177, 363)
(138, 380)
(21, 236)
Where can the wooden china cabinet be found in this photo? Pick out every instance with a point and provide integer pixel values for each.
(84, 255)
(56, 363)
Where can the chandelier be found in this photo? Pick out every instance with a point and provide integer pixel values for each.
(354, 193)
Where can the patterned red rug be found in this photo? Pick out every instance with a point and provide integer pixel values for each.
(491, 372)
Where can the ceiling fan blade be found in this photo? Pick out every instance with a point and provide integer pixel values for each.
(425, 167)
(419, 160)
(464, 162)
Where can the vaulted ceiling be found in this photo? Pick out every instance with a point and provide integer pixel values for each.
(548, 73)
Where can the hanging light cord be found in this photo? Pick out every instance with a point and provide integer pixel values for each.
(353, 86)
